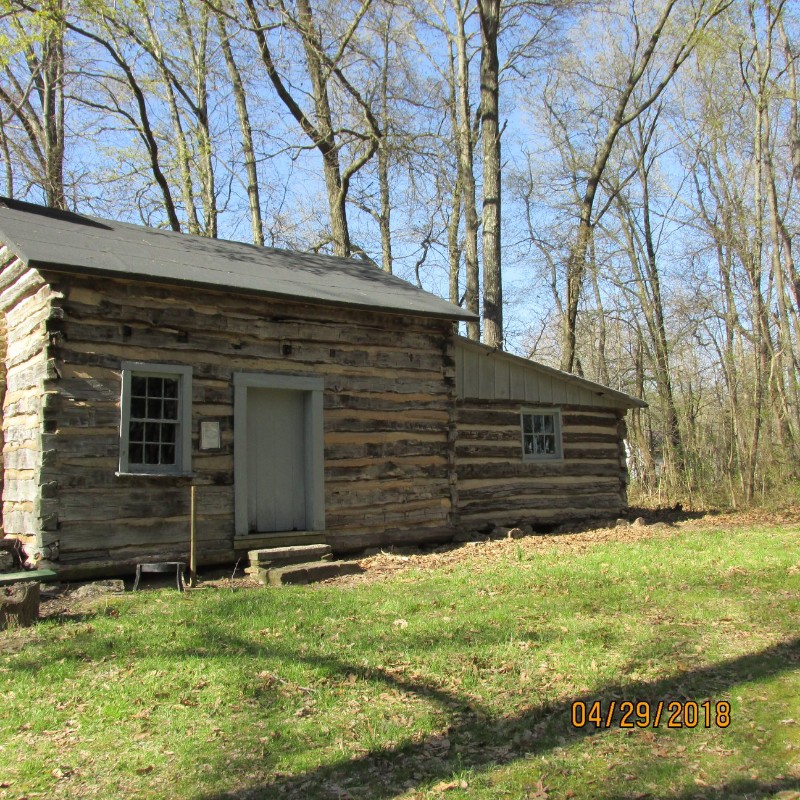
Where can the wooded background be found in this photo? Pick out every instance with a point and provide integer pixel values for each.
(647, 155)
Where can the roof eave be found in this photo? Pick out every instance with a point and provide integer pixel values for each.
(60, 267)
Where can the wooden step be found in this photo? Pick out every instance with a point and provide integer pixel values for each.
(257, 541)
(38, 575)
(312, 572)
(294, 554)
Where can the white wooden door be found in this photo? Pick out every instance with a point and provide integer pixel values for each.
(276, 460)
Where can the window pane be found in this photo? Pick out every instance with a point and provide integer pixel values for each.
(155, 387)
(135, 452)
(537, 423)
(548, 423)
(138, 407)
(527, 423)
(151, 432)
(549, 444)
(136, 432)
(151, 453)
(138, 386)
(154, 408)
(528, 444)
(171, 387)
(167, 453)
(170, 409)
(167, 433)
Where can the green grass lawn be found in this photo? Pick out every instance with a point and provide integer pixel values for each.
(455, 682)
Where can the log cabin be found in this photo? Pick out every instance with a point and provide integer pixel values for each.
(307, 398)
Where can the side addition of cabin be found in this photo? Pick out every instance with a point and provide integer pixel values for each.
(533, 444)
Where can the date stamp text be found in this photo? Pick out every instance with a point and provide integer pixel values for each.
(644, 714)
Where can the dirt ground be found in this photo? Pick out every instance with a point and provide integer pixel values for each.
(70, 600)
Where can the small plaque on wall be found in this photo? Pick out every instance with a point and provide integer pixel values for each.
(209, 435)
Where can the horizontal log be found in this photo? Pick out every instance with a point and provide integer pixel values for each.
(21, 458)
(21, 403)
(25, 285)
(84, 567)
(493, 487)
(206, 338)
(384, 469)
(376, 400)
(352, 520)
(20, 490)
(19, 521)
(514, 436)
(514, 450)
(335, 438)
(505, 470)
(30, 374)
(408, 415)
(99, 537)
(11, 267)
(396, 423)
(207, 365)
(135, 302)
(379, 448)
(353, 541)
(397, 494)
(555, 502)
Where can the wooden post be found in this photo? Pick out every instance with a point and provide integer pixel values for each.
(192, 558)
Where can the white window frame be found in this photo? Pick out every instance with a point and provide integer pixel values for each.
(183, 437)
(534, 457)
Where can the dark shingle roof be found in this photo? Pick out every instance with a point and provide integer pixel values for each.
(61, 240)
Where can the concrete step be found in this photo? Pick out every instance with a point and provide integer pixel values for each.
(311, 572)
(294, 554)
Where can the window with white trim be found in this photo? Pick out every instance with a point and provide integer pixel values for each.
(156, 419)
(541, 434)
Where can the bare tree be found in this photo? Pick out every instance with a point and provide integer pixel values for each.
(32, 95)
(643, 84)
(322, 68)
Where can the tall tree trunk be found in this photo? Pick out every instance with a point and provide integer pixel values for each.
(331, 167)
(320, 133)
(454, 222)
(248, 150)
(53, 107)
(489, 12)
(465, 146)
(675, 463)
(197, 34)
(385, 216)
(602, 333)
(9, 176)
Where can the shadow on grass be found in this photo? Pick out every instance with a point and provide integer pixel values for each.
(741, 789)
(477, 742)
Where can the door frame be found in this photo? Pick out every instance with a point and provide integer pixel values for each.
(312, 388)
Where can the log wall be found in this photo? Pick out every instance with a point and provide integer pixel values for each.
(496, 487)
(388, 399)
(28, 506)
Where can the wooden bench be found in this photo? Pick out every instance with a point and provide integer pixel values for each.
(38, 575)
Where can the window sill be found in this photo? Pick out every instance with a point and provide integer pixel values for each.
(154, 474)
